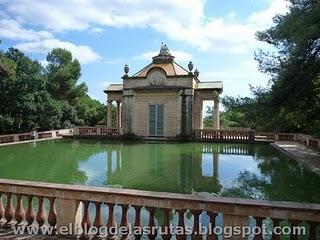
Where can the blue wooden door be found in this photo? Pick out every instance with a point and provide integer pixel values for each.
(156, 120)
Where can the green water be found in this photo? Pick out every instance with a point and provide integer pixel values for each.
(235, 170)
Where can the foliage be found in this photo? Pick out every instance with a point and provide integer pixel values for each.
(50, 98)
(292, 102)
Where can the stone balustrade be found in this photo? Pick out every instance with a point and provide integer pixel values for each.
(97, 131)
(226, 135)
(59, 205)
(279, 136)
(20, 137)
(309, 141)
(294, 137)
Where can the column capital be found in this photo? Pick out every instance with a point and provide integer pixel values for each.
(186, 92)
(118, 101)
(216, 94)
(216, 99)
(128, 92)
(109, 101)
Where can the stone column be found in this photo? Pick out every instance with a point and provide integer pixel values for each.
(189, 110)
(128, 110)
(119, 114)
(186, 112)
(197, 111)
(200, 115)
(216, 114)
(109, 114)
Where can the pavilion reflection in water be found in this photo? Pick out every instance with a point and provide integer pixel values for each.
(160, 167)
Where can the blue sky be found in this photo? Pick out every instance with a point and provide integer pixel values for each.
(104, 35)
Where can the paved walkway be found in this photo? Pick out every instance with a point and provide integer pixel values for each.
(28, 141)
(309, 157)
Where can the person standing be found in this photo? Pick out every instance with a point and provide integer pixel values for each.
(34, 134)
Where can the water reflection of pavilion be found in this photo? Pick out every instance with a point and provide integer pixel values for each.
(162, 167)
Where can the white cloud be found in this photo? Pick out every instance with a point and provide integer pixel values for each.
(81, 52)
(179, 20)
(179, 55)
(236, 80)
(61, 15)
(13, 30)
(42, 41)
(96, 30)
(263, 19)
(231, 15)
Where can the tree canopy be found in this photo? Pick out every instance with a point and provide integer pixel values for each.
(44, 98)
(292, 102)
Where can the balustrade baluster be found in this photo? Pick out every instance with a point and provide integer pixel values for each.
(312, 230)
(166, 224)
(111, 221)
(85, 223)
(294, 223)
(52, 217)
(151, 224)
(276, 223)
(259, 222)
(97, 220)
(30, 214)
(41, 215)
(137, 222)
(1, 208)
(9, 211)
(196, 222)
(20, 213)
(124, 221)
(181, 224)
(212, 224)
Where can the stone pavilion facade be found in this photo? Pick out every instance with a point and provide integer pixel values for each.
(162, 100)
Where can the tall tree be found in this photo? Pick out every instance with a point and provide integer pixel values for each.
(295, 66)
(50, 98)
(293, 101)
(22, 92)
(63, 74)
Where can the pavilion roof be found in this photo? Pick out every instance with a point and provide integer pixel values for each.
(209, 85)
(114, 88)
(171, 69)
(165, 61)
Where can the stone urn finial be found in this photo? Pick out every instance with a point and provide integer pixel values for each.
(196, 72)
(190, 66)
(126, 70)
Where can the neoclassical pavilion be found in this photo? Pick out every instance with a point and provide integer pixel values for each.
(163, 99)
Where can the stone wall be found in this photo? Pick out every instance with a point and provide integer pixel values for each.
(172, 112)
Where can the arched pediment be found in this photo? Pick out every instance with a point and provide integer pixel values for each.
(157, 76)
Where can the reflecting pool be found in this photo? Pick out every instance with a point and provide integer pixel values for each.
(235, 170)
